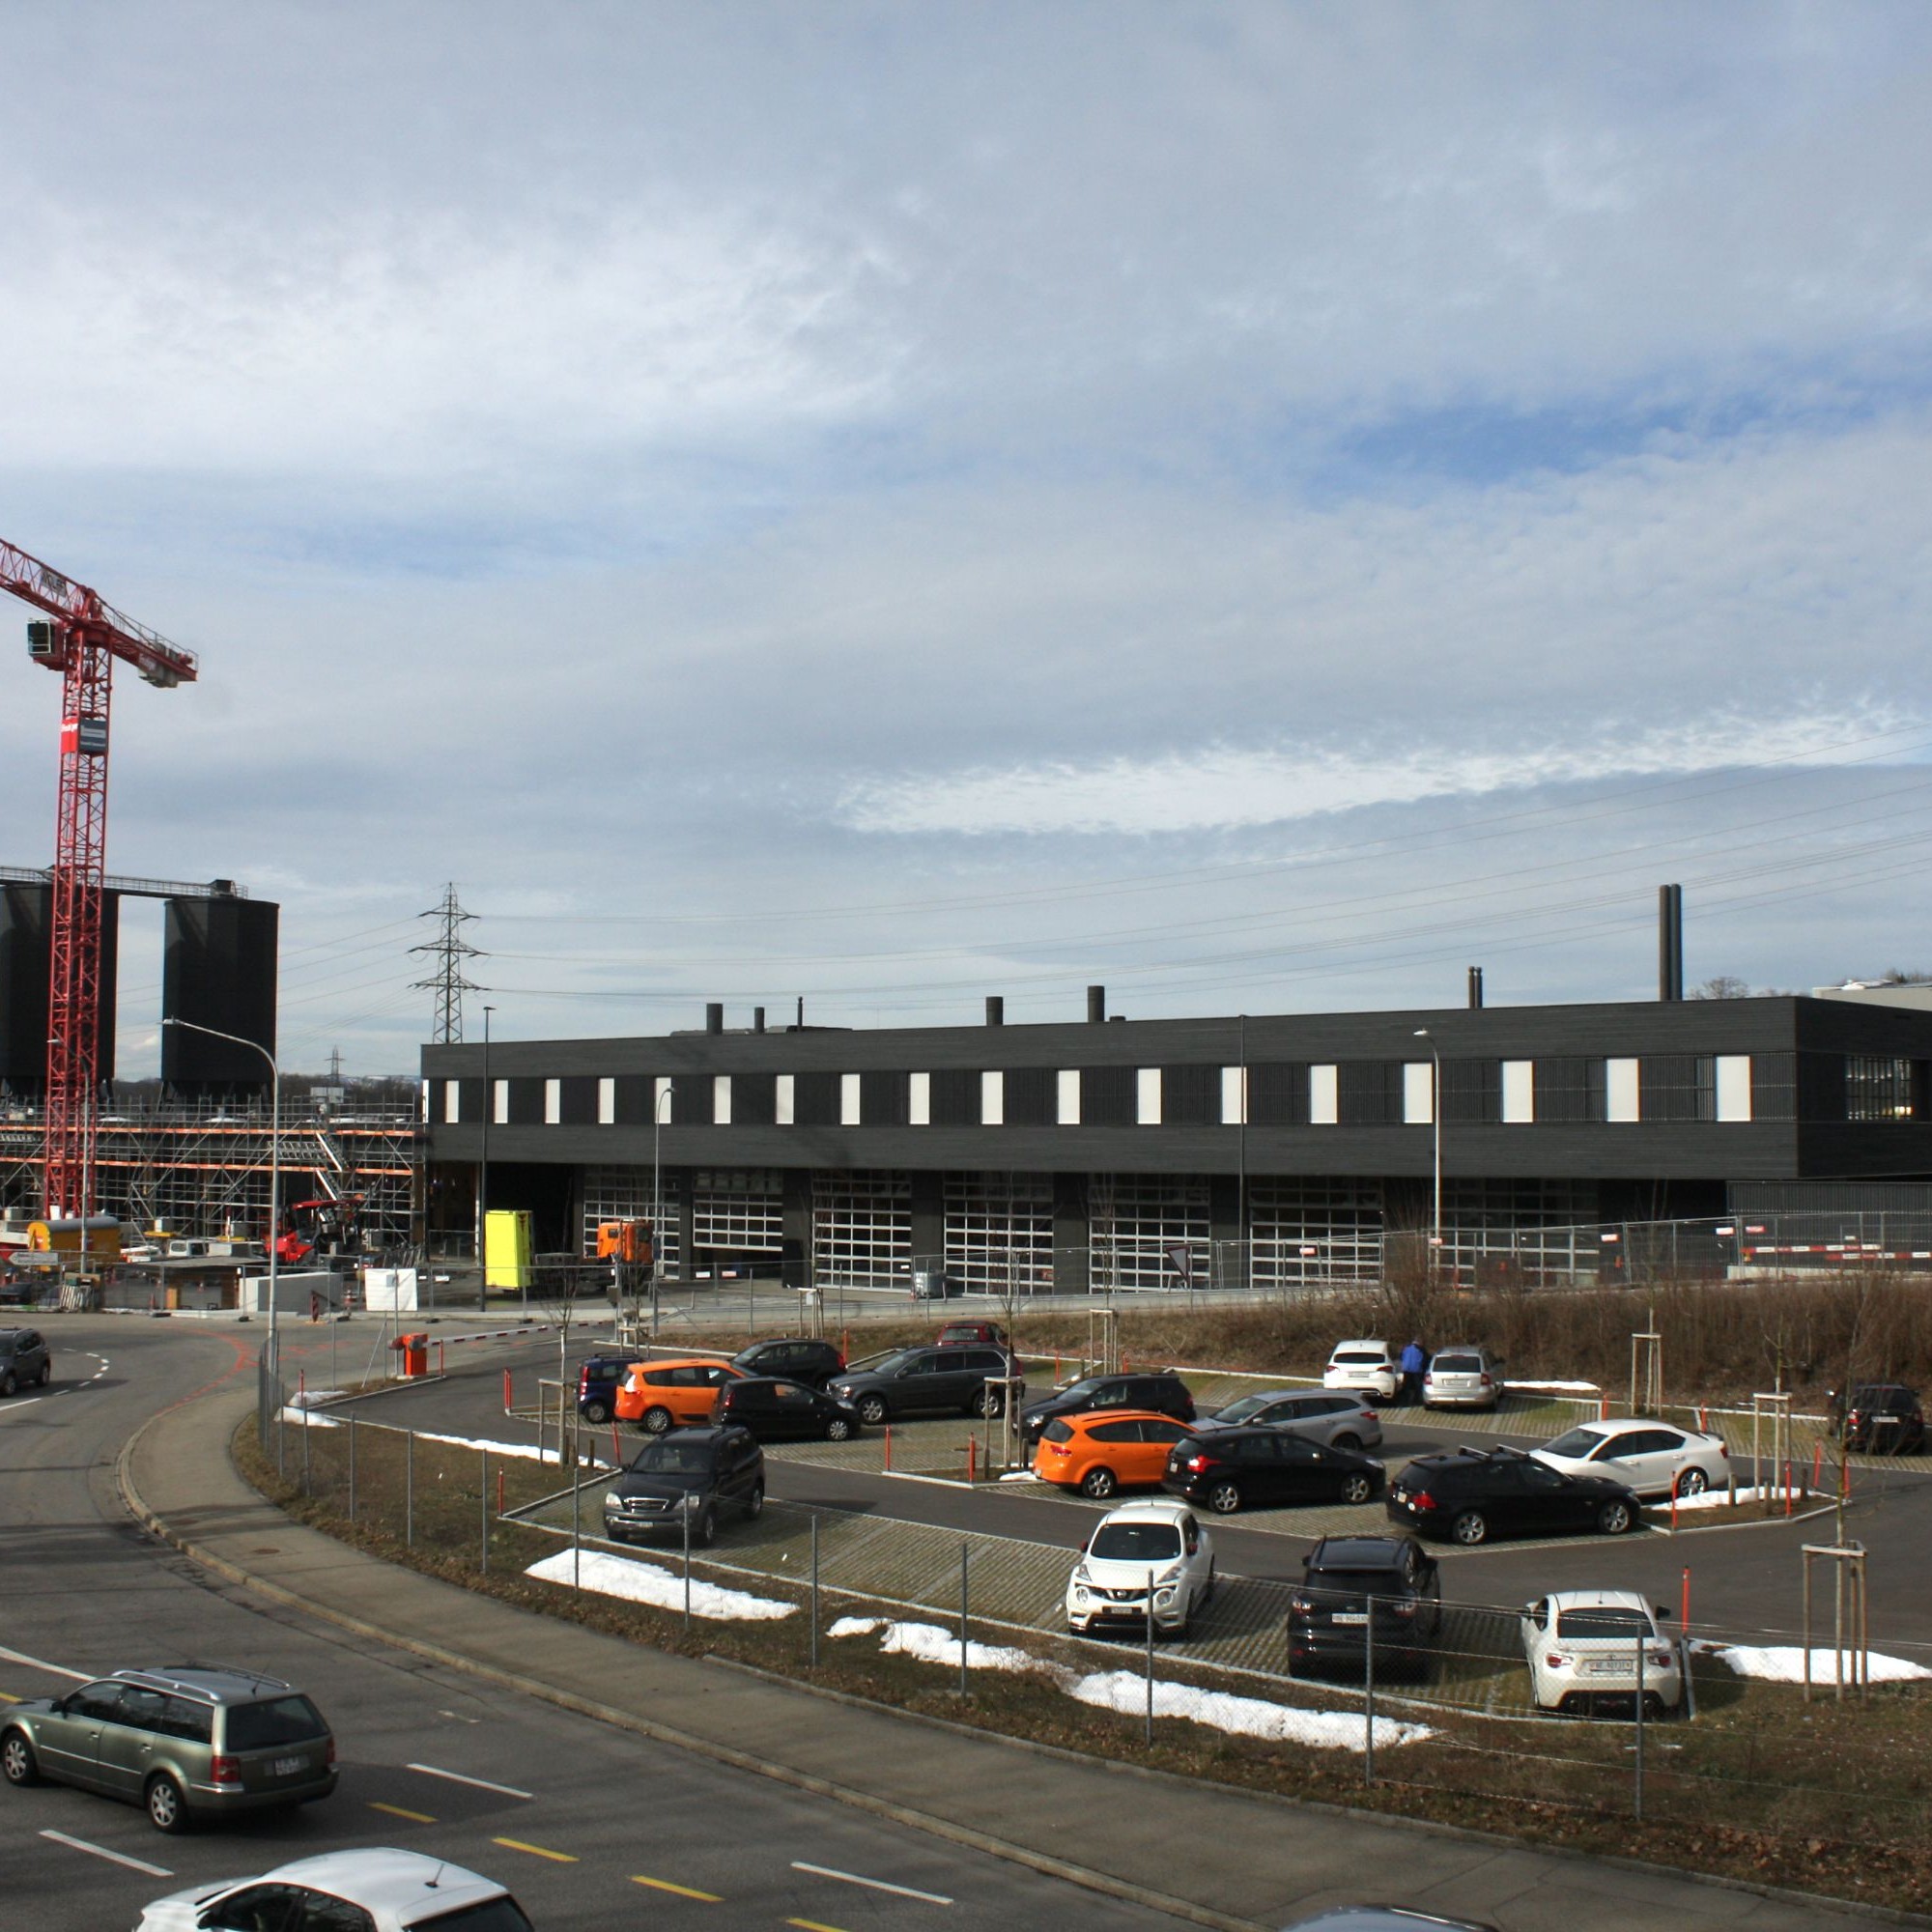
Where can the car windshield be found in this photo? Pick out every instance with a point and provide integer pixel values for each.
(1058, 1431)
(1578, 1443)
(1457, 1365)
(1600, 1620)
(491, 1915)
(1357, 1582)
(1079, 1389)
(669, 1457)
(276, 1720)
(888, 1364)
(1135, 1542)
(1249, 1404)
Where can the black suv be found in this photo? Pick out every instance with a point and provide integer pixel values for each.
(1882, 1419)
(598, 1379)
(1345, 1582)
(1475, 1492)
(1231, 1468)
(908, 1380)
(1161, 1393)
(798, 1359)
(24, 1357)
(686, 1475)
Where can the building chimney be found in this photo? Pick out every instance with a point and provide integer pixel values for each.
(1096, 1004)
(1475, 987)
(1669, 943)
(714, 1016)
(758, 1020)
(996, 1011)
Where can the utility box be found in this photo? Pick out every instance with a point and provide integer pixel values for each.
(507, 1248)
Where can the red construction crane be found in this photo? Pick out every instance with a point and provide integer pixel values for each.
(85, 637)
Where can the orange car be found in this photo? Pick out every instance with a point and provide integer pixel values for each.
(1097, 1452)
(656, 1396)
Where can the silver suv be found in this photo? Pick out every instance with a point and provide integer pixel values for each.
(185, 1741)
(24, 1357)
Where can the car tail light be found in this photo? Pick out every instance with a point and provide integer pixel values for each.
(1724, 1451)
(1423, 1501)
(224, 1770)
(1660, 1659)
(329, 1753)
(1556, 1660)
(1488, 1383)
(582, 1379)
(1301, 1605)
(1370, 1415)
(1199, 1462)
(1402, 1606)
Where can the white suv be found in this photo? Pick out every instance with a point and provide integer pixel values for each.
(1146, 1550)
(1363, 1365)
(1584, 1645)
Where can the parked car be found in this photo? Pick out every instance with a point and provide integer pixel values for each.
(961, 1334)
(1098, 1452)
(800, 1358)
(1386, 1919)
(1643, 1455)
(1582, 1647)
(698, 1473)
(1345, 1580)
(907, 1381)
(1343, 1421)
(1475, 1493)
(1465, 1375)
(1882, 1419)
(597, 1382)
(1143, 1552)
(374, 1889)
(184, 1742)
(656, 1396)
(1232, 1470)
(24, 1357)
(1162, 1391)
(773, 1408)
(1363, 1365)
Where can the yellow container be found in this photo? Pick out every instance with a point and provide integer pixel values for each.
(507, 1247)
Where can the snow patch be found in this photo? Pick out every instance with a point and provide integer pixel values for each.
(1747, 1493)
(1784, 1663)
(291, 1414)
(663, 1590)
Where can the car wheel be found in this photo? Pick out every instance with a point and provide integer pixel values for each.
(655, 1421)
(1098, 1483)
(755, 1503)
(18, 1761)
(704, 1531)
(1614, 1518)
(167, 1809)
(1469, 1528)
(1692, 1482)
(1345, 1441)
(986, 1403)
(46, 1374)
(598, 1412)
(6, 1383)
(872, 1409)
(1356, 1488)
(1224, 1498)
(838, 1429)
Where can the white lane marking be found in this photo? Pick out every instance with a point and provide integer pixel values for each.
(101, 1852)
(19, 1403)
(457, 1777)
(34, 1663)
(871, 1883)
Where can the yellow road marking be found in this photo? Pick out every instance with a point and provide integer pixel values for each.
(682, 1890)
(812, 1925)
(535, 1851)
(397, 1811)
(8, 1697)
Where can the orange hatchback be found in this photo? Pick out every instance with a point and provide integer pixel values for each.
(1105, 1449)
(656, 1396)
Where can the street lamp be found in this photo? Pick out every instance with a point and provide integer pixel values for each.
(663, 1094)
(274, 1169)
(1436, 1116)
(483, 1177)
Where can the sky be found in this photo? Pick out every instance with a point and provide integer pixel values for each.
(1261, 506)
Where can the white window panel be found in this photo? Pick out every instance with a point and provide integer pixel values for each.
(849, 1099)
(919, 1099)
(452, 1104)
(625, 1194)
(1234, 1096)
(1621, 1097)
(999, 1233)
(1137, 1223)
(606, 1102)
(720, 1099)
(499, 1113)
(781, 1103)
(661, 1107)
(1519, 1092)
(1068, 1111)
(736, 1220)
(860, 1229)
(1146, 1101)
(553, 1102)
(1322, 1101)
(993, 1099)
(425, 1100)
(1303, 1232)
(1734, 1087)
(1418, 1093)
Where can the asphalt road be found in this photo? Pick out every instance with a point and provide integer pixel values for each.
(587, 1824)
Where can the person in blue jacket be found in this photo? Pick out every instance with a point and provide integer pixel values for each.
(1415, 1359)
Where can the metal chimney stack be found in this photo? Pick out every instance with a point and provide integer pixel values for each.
(1669, 943)
(995, 1010)
(1475, 986)
(1096, 1005)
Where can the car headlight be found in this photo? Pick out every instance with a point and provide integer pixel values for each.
(613, 1500)
(1080, 1593)
(1164, 1595)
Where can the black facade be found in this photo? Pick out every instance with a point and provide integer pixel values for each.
(220, 971)
(26, 925)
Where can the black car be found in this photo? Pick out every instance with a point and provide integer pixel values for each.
(798, 1358)
(24, 1357)
(771, 1407)
(597, 1382)
(686, 1473)
(1348, 1581)
(1474, 1493)
(911, 1380)
(1230, 1470)
(1882, 1419)
(1161, 1393)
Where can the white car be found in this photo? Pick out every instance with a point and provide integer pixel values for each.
(1644, 1454)
(1465, 1375)
(1582, 1647)
(377, 1890)
(1154, 1548)
(1363, 1365)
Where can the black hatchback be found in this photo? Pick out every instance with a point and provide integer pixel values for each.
(799, 1358)
(1883, 1419)
(1477, 1493)
(686, 1476)
(1232, 1470)
(773, 1408)
(597, 1382)
(1352, 1586)
(1160, 1392)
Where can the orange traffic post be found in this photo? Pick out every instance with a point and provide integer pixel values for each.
(506, 1391)
(1817, 1463)
(439, 1355)
(889, 1445)
(1787, 1488)
(500, 1489)
(972, 1459)
(616, 1449)
(1684, 1620)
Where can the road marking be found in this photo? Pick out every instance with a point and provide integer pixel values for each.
(116, 1858)
(813, 1926)
(52, 1670)
(535, 1851)
(682, 1890)
(480, 1784)
(19, 1403)
(397, 1811)
(870, 1883)
(8, 1697)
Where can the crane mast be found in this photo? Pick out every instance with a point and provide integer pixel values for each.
(81, 637)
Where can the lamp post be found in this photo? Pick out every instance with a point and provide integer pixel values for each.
(1436, 1116)
(483, 1177)
(663, 1094)
(274, 1171)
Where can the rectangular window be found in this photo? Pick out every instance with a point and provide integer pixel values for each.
(452, 1110)
(606, 1102)
(553, 1102)
(1622, 1090)
(1234, 1096)
(1324, 1102)
(919, 1099)
(720, 1099)
(1877, 1087)
(424, 1115)
(993, 1099)
(500, 1109)
(849, 1099)
(1734, 1087)
(1418, 1093)
(781, 1102)
(1519, 1092)
(1146, 1096)
(1067, 1083)
(661, 1099)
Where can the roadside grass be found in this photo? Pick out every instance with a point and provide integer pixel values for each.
(1829, 1798)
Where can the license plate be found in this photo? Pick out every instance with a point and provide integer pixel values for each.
(287, 1767)
(1606, 1666)
(1349, 1617)
(1402, 1495)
